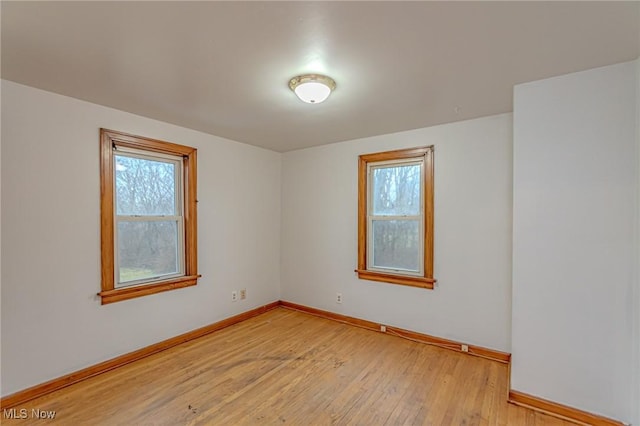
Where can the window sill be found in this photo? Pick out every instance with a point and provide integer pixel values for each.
(421, 282)
(125, 293)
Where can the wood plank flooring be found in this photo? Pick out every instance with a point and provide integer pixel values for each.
(286, 367)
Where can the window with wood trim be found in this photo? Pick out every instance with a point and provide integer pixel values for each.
(148, 216)
(395, 217)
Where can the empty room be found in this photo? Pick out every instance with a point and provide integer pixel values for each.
(317, 213)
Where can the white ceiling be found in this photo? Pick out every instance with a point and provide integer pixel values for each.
(223, 67)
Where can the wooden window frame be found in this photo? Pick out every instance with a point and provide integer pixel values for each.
(110, 139)
(425, 280)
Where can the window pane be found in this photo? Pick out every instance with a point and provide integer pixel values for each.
(396, 190)
(396, 244)
(147, 250)
(145, 187)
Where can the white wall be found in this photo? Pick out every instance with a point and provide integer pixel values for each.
(574, 216)
(636, 400)
(52, 321)
(471, 302)
(0, 240)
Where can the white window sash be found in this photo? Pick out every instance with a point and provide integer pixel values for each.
(371, 217)
(178, 218)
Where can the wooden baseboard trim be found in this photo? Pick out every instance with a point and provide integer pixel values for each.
(36, 391)
(491, 354)
(560, 411)
(369, 325)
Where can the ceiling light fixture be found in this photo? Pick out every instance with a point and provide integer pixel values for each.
(312, 88)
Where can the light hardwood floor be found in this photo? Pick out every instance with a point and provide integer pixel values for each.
(286, 367)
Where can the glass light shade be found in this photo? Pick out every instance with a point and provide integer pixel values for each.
(312, 92)
(312, 88)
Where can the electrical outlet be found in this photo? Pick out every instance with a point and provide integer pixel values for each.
(464, 348)
(234, 296)
(243, 294)
(383, 328)
(338, 297)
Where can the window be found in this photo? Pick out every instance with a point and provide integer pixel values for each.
(148, 216)
(395, 217)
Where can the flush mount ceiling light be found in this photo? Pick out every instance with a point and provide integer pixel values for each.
(312, 88)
